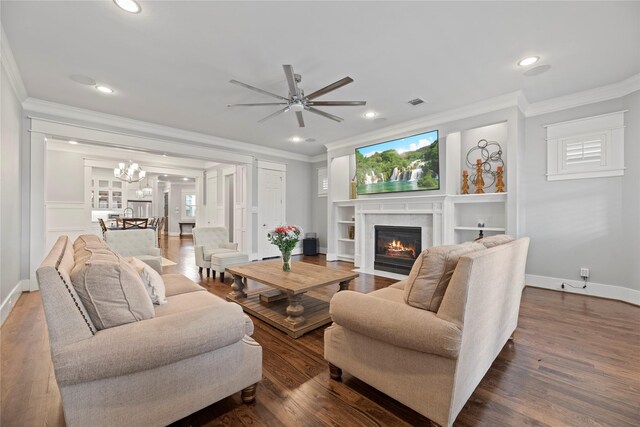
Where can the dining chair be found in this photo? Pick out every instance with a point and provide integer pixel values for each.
(103, 226)
(128, 223)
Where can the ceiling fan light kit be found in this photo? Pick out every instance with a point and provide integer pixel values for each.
(298, 101)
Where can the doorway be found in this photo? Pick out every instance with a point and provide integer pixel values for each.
(229, 204)
(271, 208)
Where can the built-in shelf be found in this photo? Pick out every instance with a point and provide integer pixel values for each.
(346, 222)
(347, 240)
(480, 228)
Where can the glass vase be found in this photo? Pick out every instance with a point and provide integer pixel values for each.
(286, 261)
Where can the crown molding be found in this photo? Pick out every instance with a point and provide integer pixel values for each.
(39, 106)
(10, 66)
(513, 99)
(591, 96)
(319, 158)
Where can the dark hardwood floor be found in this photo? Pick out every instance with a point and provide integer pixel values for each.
(575, 362)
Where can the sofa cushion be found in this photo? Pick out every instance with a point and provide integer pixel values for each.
(110, 289)
(208, 252)
(497, 240)
(176, 284)
(431, 273)
(153, 282)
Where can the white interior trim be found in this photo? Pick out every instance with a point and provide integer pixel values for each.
(591, 96)
(262, 164)
(11, 67)
(10, 301)
(619, 293)
(39, 106)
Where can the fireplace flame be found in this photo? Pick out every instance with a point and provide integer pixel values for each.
(397, 248)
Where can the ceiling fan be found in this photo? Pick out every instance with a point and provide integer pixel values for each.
(297, 100)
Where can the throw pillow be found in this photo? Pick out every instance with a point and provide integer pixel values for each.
(497, 240)
(431, 273)
(152, 280)
(110, 289)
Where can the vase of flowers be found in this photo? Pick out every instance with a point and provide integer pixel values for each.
(285, 238)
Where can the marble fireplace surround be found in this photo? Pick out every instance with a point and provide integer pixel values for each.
(422, 212)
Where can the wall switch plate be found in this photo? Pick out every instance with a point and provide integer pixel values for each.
(584, 273)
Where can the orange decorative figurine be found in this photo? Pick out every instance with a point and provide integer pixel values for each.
(479, 180)
(499, 181)
(465, 182)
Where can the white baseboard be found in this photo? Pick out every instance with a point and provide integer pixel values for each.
(593, 289)
(253, 256)
(10, 301)
(323, 250)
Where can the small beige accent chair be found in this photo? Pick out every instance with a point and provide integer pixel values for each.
(137, 243)
(208, 242)
(195, 351)
(431, 361)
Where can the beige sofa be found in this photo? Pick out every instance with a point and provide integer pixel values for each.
(431, 361)
(195, 351)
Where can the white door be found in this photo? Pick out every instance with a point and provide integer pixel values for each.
(240, 209)
(271, 208)
(212, 200)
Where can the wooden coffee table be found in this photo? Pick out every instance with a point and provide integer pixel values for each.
(287, 306)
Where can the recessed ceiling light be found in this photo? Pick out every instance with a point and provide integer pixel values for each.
(296, 139)
(73, 142)
(528, 61)
(165, 175)
(104, 89)
(185, 179)
(164, 155)
(370, 115)
(130, 6)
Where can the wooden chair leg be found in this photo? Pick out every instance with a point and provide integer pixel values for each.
(222, 276)
(335, 372)
(213, 274)
(200, 270)
(248, 394)
(209, 272)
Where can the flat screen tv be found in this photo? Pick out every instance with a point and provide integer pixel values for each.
(405, 164)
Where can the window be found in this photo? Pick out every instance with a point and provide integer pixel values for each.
(190, 206)
(323, 182)
(592, 147)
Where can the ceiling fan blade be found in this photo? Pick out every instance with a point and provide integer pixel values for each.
(300, 119)
(235, 82)
(322, 113)
(291, 80)
(257, 105)
(331, 87)
(337, 103)
(284, 110)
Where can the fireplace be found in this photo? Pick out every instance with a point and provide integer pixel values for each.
(396, 248)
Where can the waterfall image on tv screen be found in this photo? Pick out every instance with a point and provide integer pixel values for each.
(405, 164)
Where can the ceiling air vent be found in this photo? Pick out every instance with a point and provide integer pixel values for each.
(416, 101)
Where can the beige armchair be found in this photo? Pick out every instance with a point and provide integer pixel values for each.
(139, 243)
(195, 351)
(431, 362)
(211, 241)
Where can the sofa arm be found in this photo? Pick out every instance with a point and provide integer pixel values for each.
(199, 252)
(396, 323)
(148, 344)
(154, 252)
(229, 245)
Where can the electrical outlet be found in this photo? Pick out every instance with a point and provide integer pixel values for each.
(584, 273)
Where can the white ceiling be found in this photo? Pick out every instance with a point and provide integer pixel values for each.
(171, 64)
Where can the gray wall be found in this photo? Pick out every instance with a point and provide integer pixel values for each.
(64, 176)
(318, 206)
(592, 223)
(10, 188)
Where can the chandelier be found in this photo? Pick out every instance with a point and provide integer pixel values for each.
(129, 172)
